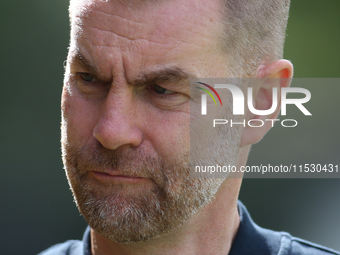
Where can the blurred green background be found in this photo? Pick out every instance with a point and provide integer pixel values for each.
(37, 210)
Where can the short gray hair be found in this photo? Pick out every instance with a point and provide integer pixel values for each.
(254, 33)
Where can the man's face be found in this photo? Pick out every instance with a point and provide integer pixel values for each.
(125, 112)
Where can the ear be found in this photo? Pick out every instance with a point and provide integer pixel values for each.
(275, 75)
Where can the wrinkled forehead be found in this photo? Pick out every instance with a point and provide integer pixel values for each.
(158, 16)
(83, 6)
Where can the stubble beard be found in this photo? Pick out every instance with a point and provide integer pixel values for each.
(128, 217)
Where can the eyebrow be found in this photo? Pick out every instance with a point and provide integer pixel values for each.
(163, 75)
(76, 57)
(168, 74)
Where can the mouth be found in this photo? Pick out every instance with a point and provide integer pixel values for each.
(118, 178)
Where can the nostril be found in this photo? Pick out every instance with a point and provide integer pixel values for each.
(113, 134)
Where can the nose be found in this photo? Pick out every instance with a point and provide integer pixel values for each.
(118, 122)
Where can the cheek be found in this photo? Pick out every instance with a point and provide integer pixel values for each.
(79, 117)
(169, 133)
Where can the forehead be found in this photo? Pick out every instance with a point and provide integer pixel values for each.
(158, 29)
(172, 11)
(153, 18)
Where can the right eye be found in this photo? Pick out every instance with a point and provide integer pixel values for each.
(89, 84)
(86, 77)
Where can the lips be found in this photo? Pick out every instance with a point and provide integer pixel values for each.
(116, 174)
(118, 178)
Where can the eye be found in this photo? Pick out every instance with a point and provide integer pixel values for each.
(86, 77)
(161, 90)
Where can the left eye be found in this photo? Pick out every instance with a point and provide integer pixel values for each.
(86, 77)
(161, 90)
